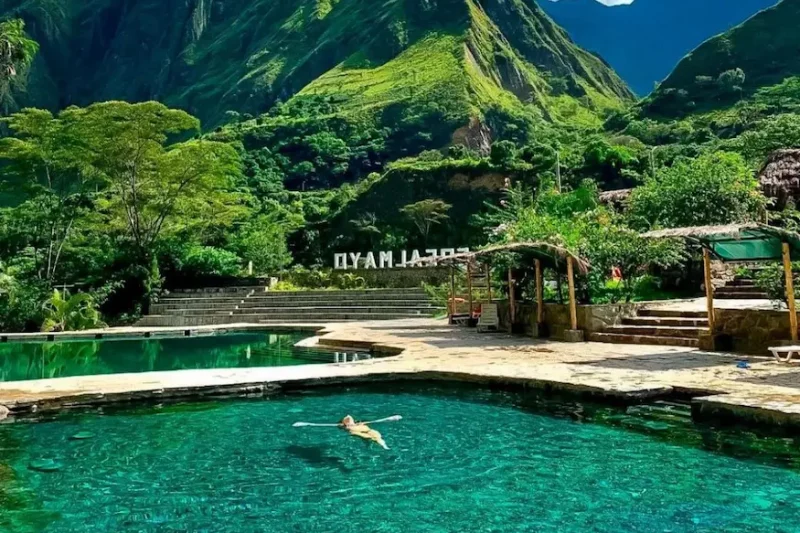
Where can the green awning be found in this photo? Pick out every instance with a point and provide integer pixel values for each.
(737, 242)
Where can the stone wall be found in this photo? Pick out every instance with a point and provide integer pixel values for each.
(401, 278)
(751, 331)
(591, 318)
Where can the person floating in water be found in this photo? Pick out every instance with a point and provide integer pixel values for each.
(356, 429)
(361, 429)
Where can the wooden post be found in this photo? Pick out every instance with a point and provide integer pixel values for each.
(512, 310)
(787, 270)
(539, 294)
(469, 288)
(573, 310)
(709, 289)
(489, 280)
(452, 307)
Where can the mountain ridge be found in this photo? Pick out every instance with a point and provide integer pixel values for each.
(644, 41)
(246, 55)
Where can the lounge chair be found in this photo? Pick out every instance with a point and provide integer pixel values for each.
(785, 354)
(489, 318)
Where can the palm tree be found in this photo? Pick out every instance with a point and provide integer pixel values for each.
(17, 51)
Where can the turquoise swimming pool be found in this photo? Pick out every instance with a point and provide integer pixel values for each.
(461, 460)
(44, 360)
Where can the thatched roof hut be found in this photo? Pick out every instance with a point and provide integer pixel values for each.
(780, 177)
(550, 254)
(749, 241)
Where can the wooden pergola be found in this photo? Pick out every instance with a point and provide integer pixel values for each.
(741, 242)
(543, 255)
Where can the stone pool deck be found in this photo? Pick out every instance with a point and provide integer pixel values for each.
(767, 392)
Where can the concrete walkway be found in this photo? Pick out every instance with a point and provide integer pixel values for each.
(767, 392)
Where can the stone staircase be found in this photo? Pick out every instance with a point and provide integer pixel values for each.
(657, 326)
(256, 305)
(740, 288)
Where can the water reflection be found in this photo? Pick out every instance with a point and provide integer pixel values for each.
(23, 361)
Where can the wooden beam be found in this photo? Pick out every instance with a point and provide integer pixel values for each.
(573, 309)
(512, 306)
(489, 280)
(469, 288)
(709, 289)
(452, 307)
(787, 271)
(539, 293)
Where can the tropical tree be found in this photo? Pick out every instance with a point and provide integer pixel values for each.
(262, 241)
(367, 224)
(715, 188)
(17, 51)
(71, 313)
(51, 179)
(154, 186)
(426, 213)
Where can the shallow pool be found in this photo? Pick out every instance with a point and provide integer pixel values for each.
(460, 461)
(44, 360)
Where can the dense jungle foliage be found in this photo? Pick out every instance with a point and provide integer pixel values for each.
(440, 123)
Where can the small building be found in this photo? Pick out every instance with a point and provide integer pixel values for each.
(780, 177)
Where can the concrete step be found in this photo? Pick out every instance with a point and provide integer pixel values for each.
(741, 282)
(643, 339)
(216, 291)
(740, 288)
(665, 321)
(280, 311)
(397, 294)
(246, 303)
(657, 331)
(311, 318)
(355, 292)
(723, 294)
(256, 301)
(279, 297)
(672, 313)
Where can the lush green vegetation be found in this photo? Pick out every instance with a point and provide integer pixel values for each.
(350, 126)
(118, 199)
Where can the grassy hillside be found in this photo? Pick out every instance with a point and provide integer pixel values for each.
(210, 57)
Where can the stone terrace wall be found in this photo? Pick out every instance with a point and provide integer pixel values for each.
(751, 331)
(591, 318)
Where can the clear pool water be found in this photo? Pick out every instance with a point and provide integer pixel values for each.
(460, 461)
(43, 360)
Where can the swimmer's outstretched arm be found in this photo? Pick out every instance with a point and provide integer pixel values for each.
(311, 424)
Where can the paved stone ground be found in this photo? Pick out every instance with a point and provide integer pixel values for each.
(767, 392)
(699, 304)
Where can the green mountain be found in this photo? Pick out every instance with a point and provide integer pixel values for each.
(757, 60)
(211, 57)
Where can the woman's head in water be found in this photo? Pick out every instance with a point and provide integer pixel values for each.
(347, 421)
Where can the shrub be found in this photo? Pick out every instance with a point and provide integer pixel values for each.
(209, 261)
(716, 188)
(772, 281)
(71, 313)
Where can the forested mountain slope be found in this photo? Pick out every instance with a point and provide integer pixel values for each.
(755, 59)
(212, 56)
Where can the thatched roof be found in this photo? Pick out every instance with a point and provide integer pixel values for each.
(615, 198)
(552, 255)
(719, 232)
(780, 177)
(736, 242)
